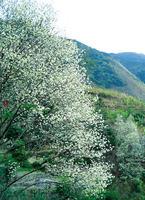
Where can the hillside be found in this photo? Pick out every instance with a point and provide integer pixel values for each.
(107, 72)
(134, 62)
(113, 103)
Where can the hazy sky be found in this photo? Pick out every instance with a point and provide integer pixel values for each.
(108, 25)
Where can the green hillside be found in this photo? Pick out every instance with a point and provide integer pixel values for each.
(113, 103)
(134, 62)
(99, 67)
(106, 72)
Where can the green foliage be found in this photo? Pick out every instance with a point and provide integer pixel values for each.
(113, 103)
(68, 191)
(14, 131)
(112, 194)
(30, 194)
(112, 115)
(20, 153)
(29, 106)
(131, 190)
(6, 114)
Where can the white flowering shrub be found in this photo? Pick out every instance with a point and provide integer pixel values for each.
(129, 148)
(44, 99)
(12, 167)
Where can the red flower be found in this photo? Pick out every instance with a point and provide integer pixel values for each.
(5, 103)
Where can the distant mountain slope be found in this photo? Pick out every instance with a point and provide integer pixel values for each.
(105, 71)
(99, 67)
(134, 62)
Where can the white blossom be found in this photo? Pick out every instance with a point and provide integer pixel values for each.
(44, 77)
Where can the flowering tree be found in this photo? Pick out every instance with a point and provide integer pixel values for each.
(44, 101)
(129, 148)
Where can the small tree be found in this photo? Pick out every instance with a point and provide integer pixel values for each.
(44, 100)
(129, 148)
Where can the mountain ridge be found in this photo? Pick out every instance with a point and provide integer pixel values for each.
(134, 62)
(107, 72)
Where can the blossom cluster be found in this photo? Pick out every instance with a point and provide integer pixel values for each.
(45, 85)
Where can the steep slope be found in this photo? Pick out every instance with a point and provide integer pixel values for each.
(106, 72)
(134, 62)
(99, 67)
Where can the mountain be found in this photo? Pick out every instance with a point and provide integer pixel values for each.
(105, 71)
(134, 62)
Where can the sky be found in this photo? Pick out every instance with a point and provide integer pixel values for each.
(107, 25)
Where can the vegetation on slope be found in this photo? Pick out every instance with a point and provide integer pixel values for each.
(134, 62)
(99, 67)
(125, 119)
(106, 72)
(112, 103)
